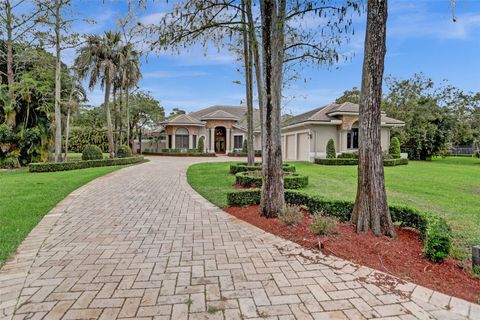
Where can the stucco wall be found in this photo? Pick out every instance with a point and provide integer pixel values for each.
(320, 136)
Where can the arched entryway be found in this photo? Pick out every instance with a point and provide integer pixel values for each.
(220, 139)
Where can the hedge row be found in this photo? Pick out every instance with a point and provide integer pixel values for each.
(73, 165)
(435, 231)
(180, 154)
(242, 167)
(291, 180)
(258, 153)
(354, 162)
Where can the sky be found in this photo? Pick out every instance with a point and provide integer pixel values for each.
(421, 37)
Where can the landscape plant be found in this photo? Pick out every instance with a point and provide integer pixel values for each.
(394, 148)
(92, 152)
(331, 153)
(292, 215)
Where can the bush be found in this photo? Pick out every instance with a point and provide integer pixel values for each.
(245, 147)
(323, 225)
(201, 145)
(258, 153)
(79, 138)
(394, 149)
(250, 179)
(92, 152)
(476, 154)
(124, 152)
(348, 155)
(6, 134)
(243, 167)
(331, 153)
(10, 162)
(73, 165)
(292, 216)
(435, 231)
(395, 162)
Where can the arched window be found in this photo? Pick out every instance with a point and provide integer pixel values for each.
(181, 138)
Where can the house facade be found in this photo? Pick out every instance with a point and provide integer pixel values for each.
(305, 136)
(223, 129)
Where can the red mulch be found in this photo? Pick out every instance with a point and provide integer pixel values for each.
(402, 257)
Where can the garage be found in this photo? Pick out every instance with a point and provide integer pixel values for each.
(303, 144)
(296, 146)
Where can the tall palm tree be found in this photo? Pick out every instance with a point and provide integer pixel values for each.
(99, 58)
(130, 75)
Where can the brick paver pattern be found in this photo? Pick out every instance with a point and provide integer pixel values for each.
(140, 243)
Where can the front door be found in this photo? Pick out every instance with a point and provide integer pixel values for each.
(220, 138)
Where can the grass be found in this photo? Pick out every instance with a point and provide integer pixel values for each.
(75, 156)
(26, 197)
(448, 187)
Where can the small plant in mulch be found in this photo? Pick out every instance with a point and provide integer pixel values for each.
(323, 225)
(292, 216)
(476, 271)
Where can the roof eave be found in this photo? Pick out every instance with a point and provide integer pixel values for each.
(303, 123)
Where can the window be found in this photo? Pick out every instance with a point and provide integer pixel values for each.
(170, 141)
(352, 139)
(194, 141)
(237, 142)
(181, 138)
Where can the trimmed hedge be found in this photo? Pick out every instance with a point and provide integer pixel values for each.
(242, 167)
(92, 152)
(291, 180)
(348, 155)
(435, 231)
(74, 165)
(180, 154)
(354, 162)
(124, 151)
(258, 153)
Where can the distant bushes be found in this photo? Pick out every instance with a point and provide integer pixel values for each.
(394, 149)
(79, 138)
(354, 162)
(92, 152)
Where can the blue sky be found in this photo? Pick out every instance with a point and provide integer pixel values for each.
(421, 38)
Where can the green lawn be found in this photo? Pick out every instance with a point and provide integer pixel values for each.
(26, 197)
(449, 187)
(75, 156)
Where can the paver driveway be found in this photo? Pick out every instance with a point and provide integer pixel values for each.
(140, 243)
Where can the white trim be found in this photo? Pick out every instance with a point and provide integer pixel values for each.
(302, 124)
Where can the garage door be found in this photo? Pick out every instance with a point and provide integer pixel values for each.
(303, 147)
(290, 154)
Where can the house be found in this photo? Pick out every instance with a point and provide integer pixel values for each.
(223, 128)
(305, 136)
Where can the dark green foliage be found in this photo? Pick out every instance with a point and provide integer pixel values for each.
(348, 155)
(73, 165)
(250, 179)
(81, 137)
(243, 197)
(394, 149)
(242, 167)
(92, 152)
(124, 152)
(331, 153)
(352, 96)
(435, 231)
(9, 163)
(476, 154)
(178, 153)
(245, 147)
(354, 162)
(201, 144)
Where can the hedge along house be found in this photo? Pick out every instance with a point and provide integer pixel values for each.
(305, 136)
(223, 128)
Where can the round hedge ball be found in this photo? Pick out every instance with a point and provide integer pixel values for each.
(124, 152)
(92, 152)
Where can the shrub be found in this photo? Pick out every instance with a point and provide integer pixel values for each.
(348, 155)
(434, 230)
(331, 153)
(201, 144)
(292, 216)
(476, 154)
(243, 167)
(236, 153)
(92, 152)
(10, 162)
(245, 146)
(79, 138)
(395, 162)
(254, 179)
(73, 165)
(6, 133)
(394, 149)
(323, 225)
(124, 151)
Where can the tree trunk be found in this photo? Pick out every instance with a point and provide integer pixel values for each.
(120, 117)
(67, 133)
(273, 201)
(257, 65)
(12, 112)
(140, 140)
(371, 210)
(115, 119)
(109, 117)
(248, 87)
(58, 85)
(128, 118)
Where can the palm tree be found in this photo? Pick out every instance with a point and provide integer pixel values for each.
(130, 75)
(99, 59)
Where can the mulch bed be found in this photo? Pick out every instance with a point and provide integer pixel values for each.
(402, 258)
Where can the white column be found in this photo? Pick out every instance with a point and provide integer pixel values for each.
(190, 141)
(296, 146)
(212, 140)
(284, 146)
(227, 144)
(173, 141)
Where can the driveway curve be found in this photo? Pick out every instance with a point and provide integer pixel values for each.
(141, 243)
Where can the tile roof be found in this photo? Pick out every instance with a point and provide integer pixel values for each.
(219, 114)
